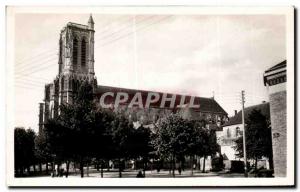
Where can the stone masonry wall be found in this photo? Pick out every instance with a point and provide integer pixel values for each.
(278, 123)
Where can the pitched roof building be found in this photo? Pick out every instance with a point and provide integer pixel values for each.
(233, 129)
(237, 118)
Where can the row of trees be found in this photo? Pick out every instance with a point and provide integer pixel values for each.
(24, 150)
(177, 138)
(84, 133)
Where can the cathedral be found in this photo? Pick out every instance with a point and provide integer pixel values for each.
(76, 65)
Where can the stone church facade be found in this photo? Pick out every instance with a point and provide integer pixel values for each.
(76, 65)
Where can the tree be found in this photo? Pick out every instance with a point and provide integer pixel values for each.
(174, 138)
(122, 132)
(210, 146)
(198, 143)
(42, 149)
(20, 153)
(58, 141)
(142, 145)
(24, 150)
(102, 146)
(258, 137)
(177, 137)
(69, 134)
(204, 142)
(78, 119)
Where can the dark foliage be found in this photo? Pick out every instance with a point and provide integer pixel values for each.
(258, 137)
(24, 150)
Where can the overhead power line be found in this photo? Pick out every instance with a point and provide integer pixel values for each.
(37, 69)
(131, 33)
(52, 52)
(54, 56)
(42, 67)
(33, 64)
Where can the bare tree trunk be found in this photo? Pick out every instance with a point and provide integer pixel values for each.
(173, 166)
(58, 170)
(28, 170)
(40, 167)
(144, 167)
(199, 160)
(68, 166)
(108, 167)
(97, 165)
(74, 168)
(22, 170)
(192, 165)
(101, 169)
(180, 167)
(81, 169)
(120, 168)
(203, 171)
(87, 169)
(255, 168)
(47, 168)
(135, 164)
(34, 169)
(53, 169)
(170, 167)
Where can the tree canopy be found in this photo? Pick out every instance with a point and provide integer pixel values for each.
(85, 133)
(258, 137)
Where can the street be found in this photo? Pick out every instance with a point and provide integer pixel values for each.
(153, 174)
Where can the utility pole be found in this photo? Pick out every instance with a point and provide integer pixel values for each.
(244, 134)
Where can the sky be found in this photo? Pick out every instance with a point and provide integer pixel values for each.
(206, 56)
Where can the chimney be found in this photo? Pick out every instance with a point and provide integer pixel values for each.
(235, 112)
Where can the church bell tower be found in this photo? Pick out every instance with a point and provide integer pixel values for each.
(76, 65)
(76, 59)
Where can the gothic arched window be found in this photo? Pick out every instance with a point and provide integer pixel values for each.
(83, 52)
(75, 51)
(60, 50)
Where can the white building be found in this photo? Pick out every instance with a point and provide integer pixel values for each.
(233, 129)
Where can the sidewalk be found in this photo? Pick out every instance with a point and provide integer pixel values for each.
(153, 174)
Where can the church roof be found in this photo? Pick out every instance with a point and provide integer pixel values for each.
(77, 25)
(237, 119)
(206, 104)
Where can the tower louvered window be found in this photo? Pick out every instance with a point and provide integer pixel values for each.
(83, 52)
(60, 50)
(75, 51)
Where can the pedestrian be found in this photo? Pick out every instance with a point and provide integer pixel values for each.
(179, 170)
(140, 175)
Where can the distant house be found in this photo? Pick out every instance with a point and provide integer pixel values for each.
(233, 129)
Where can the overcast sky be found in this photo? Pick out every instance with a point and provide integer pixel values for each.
(195, 55)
